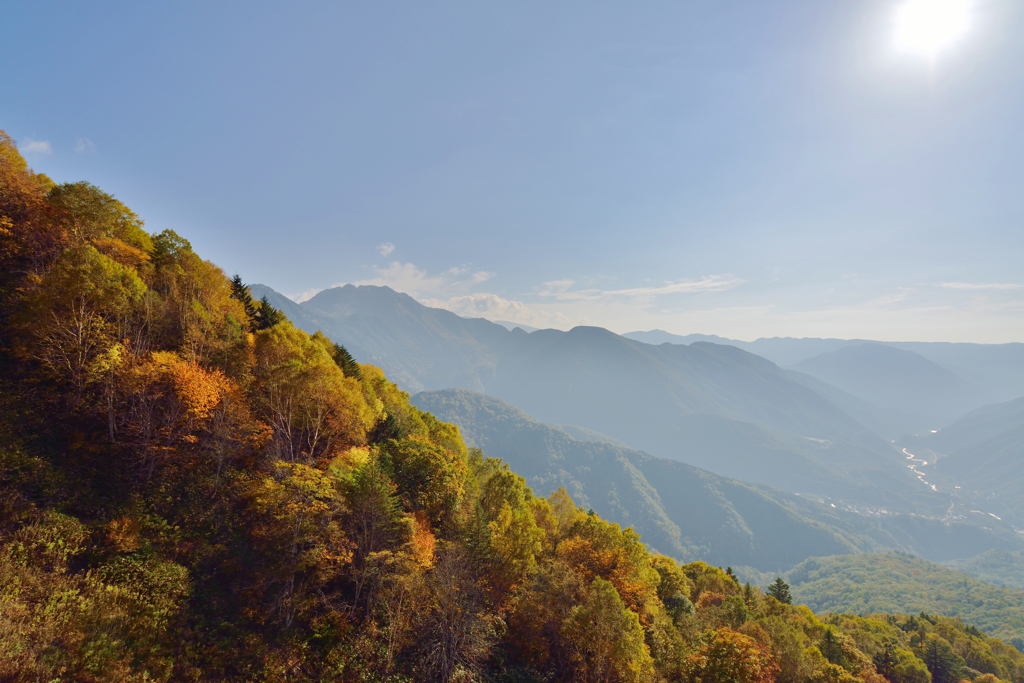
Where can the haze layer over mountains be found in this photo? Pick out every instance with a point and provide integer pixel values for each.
(835, 422)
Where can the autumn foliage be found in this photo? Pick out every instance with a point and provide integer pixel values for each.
(193, 489)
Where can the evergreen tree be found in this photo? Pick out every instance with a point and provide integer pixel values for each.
(240, 292)
(885, 662)
(346, 362)
(943, 663)
(832, 648)
(780, 591)
(268, 316)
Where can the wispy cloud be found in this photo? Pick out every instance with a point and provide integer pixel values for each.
(409, 278)
(30, 146)
(418, 283)
(84, 146)
(385, 248)
(562, 290)
(991, 286)
(494, 307)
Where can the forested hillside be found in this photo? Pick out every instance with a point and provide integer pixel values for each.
(897, 583)
(1000, 567)
(192, 489)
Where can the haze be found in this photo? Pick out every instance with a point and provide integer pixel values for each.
(745, 169)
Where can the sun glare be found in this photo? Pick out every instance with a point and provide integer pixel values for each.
(926, 27)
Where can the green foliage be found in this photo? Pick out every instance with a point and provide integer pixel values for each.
(605, 638)
(898, 583)
(1000, 567)
(89, 213)
(346, 362)
(266, 315)
(780, 591)
(240, 292)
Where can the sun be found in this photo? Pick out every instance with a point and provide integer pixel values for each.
(926, 27)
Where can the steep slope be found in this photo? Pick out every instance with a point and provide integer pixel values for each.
(896, 379)
(900, 584)
(688, 512)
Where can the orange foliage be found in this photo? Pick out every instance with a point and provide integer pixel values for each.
(423, 541)
(731, 657)
(710, 599)
(613, 563)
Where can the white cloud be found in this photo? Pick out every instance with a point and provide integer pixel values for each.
(304, 296)
(482, 276)
(556, 288)
(999, 286)
(562, 290)
(494, 307)
(385, 248)
(84, 145)
(30, 146)
(409, 278)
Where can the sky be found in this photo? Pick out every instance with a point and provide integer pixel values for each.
(740, 168)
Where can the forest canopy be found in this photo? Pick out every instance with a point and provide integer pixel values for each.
(191, 488)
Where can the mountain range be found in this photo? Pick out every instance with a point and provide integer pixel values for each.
(825, 428)
(960, 377)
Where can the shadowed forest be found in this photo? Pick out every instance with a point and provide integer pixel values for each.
(193, 489)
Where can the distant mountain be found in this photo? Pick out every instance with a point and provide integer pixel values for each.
(710, 405)
(996, 369)
(687, 512)
(982, 453)
(897, 380)
(509, 325)
(900, 584)
(662, 337)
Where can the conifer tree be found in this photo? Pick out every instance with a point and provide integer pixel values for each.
(240, 292)
(346, 362)
(780, 591)
(268, 315)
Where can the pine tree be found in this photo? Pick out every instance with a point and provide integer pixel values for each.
(268, 315)
(780, 591)
(346, 362)
(240, 292)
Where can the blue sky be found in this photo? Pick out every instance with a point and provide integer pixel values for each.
(738, 168)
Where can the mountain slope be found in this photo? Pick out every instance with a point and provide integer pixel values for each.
(900, 584)
(998, 567)
(996, 369)
(895, 379)
(688, 512)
